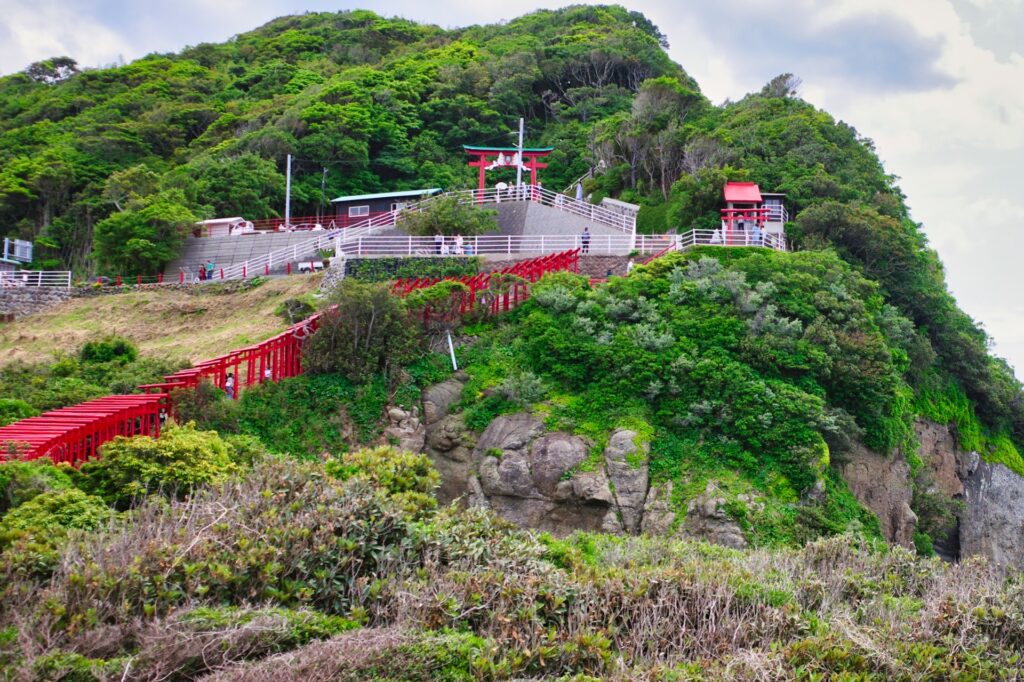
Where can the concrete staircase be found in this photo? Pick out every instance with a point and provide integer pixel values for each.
(225, 251)
(529, 218)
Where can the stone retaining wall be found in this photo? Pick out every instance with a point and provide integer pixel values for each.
(22, 301)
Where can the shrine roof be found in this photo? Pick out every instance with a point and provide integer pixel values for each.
(526, 150)
(742, 192)
(388, 195)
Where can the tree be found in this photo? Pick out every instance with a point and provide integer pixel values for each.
(143, 240)
(364, 332)
(52, 71)
(448, 216)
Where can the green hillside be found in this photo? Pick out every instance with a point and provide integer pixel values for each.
(286, 535)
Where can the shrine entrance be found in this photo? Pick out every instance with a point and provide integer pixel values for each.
(489, 158)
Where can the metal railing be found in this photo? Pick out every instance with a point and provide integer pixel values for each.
(265, 264)
(536, 193)
(35, 278)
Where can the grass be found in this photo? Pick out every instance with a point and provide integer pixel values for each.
(160, 322)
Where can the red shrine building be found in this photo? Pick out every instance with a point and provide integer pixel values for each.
(747, 207)
(487, 158)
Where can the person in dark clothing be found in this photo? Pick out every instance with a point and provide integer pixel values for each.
(585, 240)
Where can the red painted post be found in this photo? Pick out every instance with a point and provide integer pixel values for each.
(138, 279)
(288, 268)
(243, 271)
(222, 273)
(181, 277)
(119, 280)
(266, 269)
(159, 278)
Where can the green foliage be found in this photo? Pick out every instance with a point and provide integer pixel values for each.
(449, 216)
(110, 349)
(13, 409)
(45, 518)
(101, 367)
(207, 406)
(407, 477)
(363, 333)
(309, 415)
(21, 481)
(388, 269)
(181, 459)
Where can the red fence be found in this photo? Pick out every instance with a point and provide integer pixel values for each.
(480, 290)
(74, 434)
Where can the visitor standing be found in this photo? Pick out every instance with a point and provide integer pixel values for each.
(458, 245)
(438, 242)
(585, 240)
(209, 269)
(229, 386)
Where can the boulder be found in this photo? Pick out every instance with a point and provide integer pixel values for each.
(626, 464)
(992, 523)
(438, 398)
(404, 427)
(528, 476)
(707, 519)
(658, 515)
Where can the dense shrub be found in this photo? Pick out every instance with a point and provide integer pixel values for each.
(13, 409)
(449, 216)
(364, 332)
(207, 406)
(174, 464)
(21, 481)
(100, 368)
(311, 414)
(388, 269)
(407, 477)
(44, 518)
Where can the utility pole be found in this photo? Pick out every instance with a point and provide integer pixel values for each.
(323, 195)
(288, 194)
(519, 160)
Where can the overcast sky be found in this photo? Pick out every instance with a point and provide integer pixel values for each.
(937, 84)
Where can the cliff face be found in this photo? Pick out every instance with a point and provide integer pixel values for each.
(546, 480)
(991, 521)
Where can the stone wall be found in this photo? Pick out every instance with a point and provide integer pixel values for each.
(22, 301)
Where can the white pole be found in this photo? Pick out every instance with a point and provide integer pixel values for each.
(288, 194)
(519, 165)
(451, 349)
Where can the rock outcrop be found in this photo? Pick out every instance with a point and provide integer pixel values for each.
(707, 519)
(882, 484)
(991, 522)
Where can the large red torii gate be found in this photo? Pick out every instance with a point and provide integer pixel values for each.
(498, 157)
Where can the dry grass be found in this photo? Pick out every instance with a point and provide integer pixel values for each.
(161, 322)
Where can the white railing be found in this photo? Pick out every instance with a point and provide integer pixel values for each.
(35, 278)
(304, 250)
(497, 245)
(592, 212)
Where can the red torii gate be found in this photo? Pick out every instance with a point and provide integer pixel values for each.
(499, 157)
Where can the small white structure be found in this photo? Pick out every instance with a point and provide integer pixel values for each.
(224, 227)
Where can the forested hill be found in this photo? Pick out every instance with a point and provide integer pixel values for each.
(105, 168)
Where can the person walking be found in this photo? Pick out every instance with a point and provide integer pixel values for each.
(229, 386)
(209, 269)
(585, 240)
(438, 241)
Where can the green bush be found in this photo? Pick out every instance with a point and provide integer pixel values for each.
(47, 516)
(364, 332)
(110, 349)
(311, 414)
(21, 481)
(389, 269)
(407, 477)
(207, 406)
(13, 409)
(174, 464)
